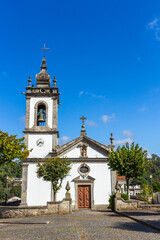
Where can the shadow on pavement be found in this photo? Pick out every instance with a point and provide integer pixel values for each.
(134, 226)
(142, 213)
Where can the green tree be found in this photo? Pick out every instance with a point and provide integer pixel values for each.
(54, 170)
(11, 170)
(11, 148)
(130, 162)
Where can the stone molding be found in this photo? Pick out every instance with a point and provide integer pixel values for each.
(77, 142)
(87, 181)
(77, 160)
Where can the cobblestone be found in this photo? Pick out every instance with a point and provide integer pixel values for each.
(80, 225)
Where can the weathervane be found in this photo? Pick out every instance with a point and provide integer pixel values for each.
(44, 48)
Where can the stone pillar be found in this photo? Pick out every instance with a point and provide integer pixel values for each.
(24, 183)
(27, 111)
(113, 181)
(54, 122)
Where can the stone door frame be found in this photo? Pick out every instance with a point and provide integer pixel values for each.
(88, 181)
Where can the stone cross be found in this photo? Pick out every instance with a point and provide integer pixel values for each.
(83, 118)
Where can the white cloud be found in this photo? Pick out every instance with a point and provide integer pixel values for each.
(91, 123)
(107, 118)
(123, 141)
(91, 94)
(63, 140)
(149, 155)
(127, 133)
(155, 27)
(22, 118)
(143, 109)
(81, 93)
(154, 24)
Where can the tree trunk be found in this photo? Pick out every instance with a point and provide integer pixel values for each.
(127, 181)
(54, 196)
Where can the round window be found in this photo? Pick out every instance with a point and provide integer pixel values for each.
(84, 169)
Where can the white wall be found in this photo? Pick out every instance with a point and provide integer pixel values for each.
(91, 153)
(102, 183)
(33, 101)
(38, 191)
(39, 152)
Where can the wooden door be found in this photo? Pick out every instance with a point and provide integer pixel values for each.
(84, 196)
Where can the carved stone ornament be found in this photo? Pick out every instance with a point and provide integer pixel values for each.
(83, 151)
(84, 170)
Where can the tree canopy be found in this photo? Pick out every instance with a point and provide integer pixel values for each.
(129, 161)
(11, 148)
(11, 170)
(54, 170)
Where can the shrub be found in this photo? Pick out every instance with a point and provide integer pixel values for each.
(111, 202)
(124, 196)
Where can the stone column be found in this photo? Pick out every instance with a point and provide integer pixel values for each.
(24, 183)
(27, 111)
(113, 181)
(54, 122)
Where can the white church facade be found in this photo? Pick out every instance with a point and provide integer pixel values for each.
(90, 179)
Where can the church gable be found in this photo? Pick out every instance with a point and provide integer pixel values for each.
(83, 147)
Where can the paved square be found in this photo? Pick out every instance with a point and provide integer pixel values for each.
(84, 225)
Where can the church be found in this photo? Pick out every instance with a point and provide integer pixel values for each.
(90, 179)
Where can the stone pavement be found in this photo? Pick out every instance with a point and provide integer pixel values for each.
(80, 225)
(147, 217)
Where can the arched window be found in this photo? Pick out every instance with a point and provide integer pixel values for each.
(41, 115)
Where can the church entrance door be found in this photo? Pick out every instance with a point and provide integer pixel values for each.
(84, 196)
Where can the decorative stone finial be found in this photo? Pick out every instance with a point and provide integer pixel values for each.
(83, 130)
(44, 64)
(29, 81)
(55, 81)
(68, 195)
(43, 78)
(111, 138)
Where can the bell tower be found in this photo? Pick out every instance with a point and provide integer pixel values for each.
(42, 100)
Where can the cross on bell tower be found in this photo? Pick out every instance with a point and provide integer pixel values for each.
(44, 48)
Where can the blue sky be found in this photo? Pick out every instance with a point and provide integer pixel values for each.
(105, 55)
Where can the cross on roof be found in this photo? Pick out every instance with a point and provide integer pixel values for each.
(44, 48)
(83, 118)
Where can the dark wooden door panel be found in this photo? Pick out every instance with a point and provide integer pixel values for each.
(84, 196)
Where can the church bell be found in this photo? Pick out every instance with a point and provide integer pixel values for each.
(41, 117)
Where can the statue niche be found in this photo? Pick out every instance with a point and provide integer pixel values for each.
(41, 115)
(83, 152)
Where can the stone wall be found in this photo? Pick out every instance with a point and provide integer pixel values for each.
(51, 208)
(121, 204)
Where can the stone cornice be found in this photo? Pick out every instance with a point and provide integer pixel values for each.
(75, 160)
(32, 94)
(43, 131)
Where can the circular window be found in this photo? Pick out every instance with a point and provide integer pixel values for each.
(83, 170)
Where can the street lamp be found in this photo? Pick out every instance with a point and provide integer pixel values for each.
(151, 187)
